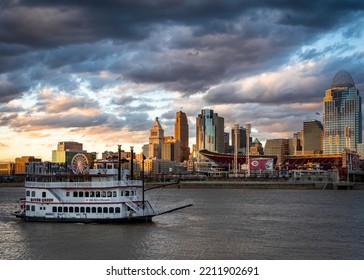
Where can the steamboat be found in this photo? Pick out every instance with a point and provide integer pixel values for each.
(103, 193)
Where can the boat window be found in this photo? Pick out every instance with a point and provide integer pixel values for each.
(126, 193)
(82, 209)
(93, 210)
(97, 194)
(99, 209)
(92, 194)
(122, 193)
(67, 193)
(88, 209)
(33, 193)
(77, 209)
(54, 209)
(71, 209)
(28, 207)
(111, 210)
(109, 194)
(114, 193)
(65, 209)
(44, 194)
(80, 194)
(87, 194)
(103, 194)
(105, 210)
(75, 194)
(28, 193)
(117, 210)
(33, 208)
(60, 209)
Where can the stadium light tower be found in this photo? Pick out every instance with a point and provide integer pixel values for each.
(236, 129)
(248, 127)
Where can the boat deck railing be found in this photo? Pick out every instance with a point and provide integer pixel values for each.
(75, 185)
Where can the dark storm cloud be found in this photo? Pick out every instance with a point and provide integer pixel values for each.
(170, 115)
(72, 120)
(53, 23)
(122, 100)
(262, 94)
(7, 119)
(9, 50)
(53, 105)
(10, 88)
(132, 121)
(8, 109)
(137, 121)
(186, 46)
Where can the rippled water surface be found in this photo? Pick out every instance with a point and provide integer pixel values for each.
(222, 224)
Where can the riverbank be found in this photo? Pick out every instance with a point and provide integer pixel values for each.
(248, 185)
(229, 184)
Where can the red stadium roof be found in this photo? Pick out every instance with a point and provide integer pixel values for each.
(325, 161)
(226, 159)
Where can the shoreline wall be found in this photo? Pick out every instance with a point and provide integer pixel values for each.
(218, 184)
(250, 185)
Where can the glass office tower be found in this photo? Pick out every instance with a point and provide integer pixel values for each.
(210, 131)
(342, 115)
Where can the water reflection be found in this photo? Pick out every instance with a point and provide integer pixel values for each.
(222, 224)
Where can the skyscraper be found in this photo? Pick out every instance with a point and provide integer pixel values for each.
(66, 151)
(210, 131)
(156, 139)
(342, 114)
(238, 135)
(296, 143)
(312, 137)
(171, 149)
(181, 134)
(277, 147)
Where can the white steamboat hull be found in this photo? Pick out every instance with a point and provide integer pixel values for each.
(124, 220)
(94, 198)
(111, 202)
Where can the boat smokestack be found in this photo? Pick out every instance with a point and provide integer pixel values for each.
(119, 162)
(131, 163)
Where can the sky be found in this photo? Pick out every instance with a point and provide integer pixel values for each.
(100, 72)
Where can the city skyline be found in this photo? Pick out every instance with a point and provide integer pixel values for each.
(91, 74)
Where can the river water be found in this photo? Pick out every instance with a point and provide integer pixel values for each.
(222, 224)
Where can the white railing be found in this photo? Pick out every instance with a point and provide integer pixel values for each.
(105, 184)
(133, 206)
(103, 171)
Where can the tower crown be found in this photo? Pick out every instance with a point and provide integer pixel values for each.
(342, 79)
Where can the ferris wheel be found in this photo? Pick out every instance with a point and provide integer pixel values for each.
(79, 164)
